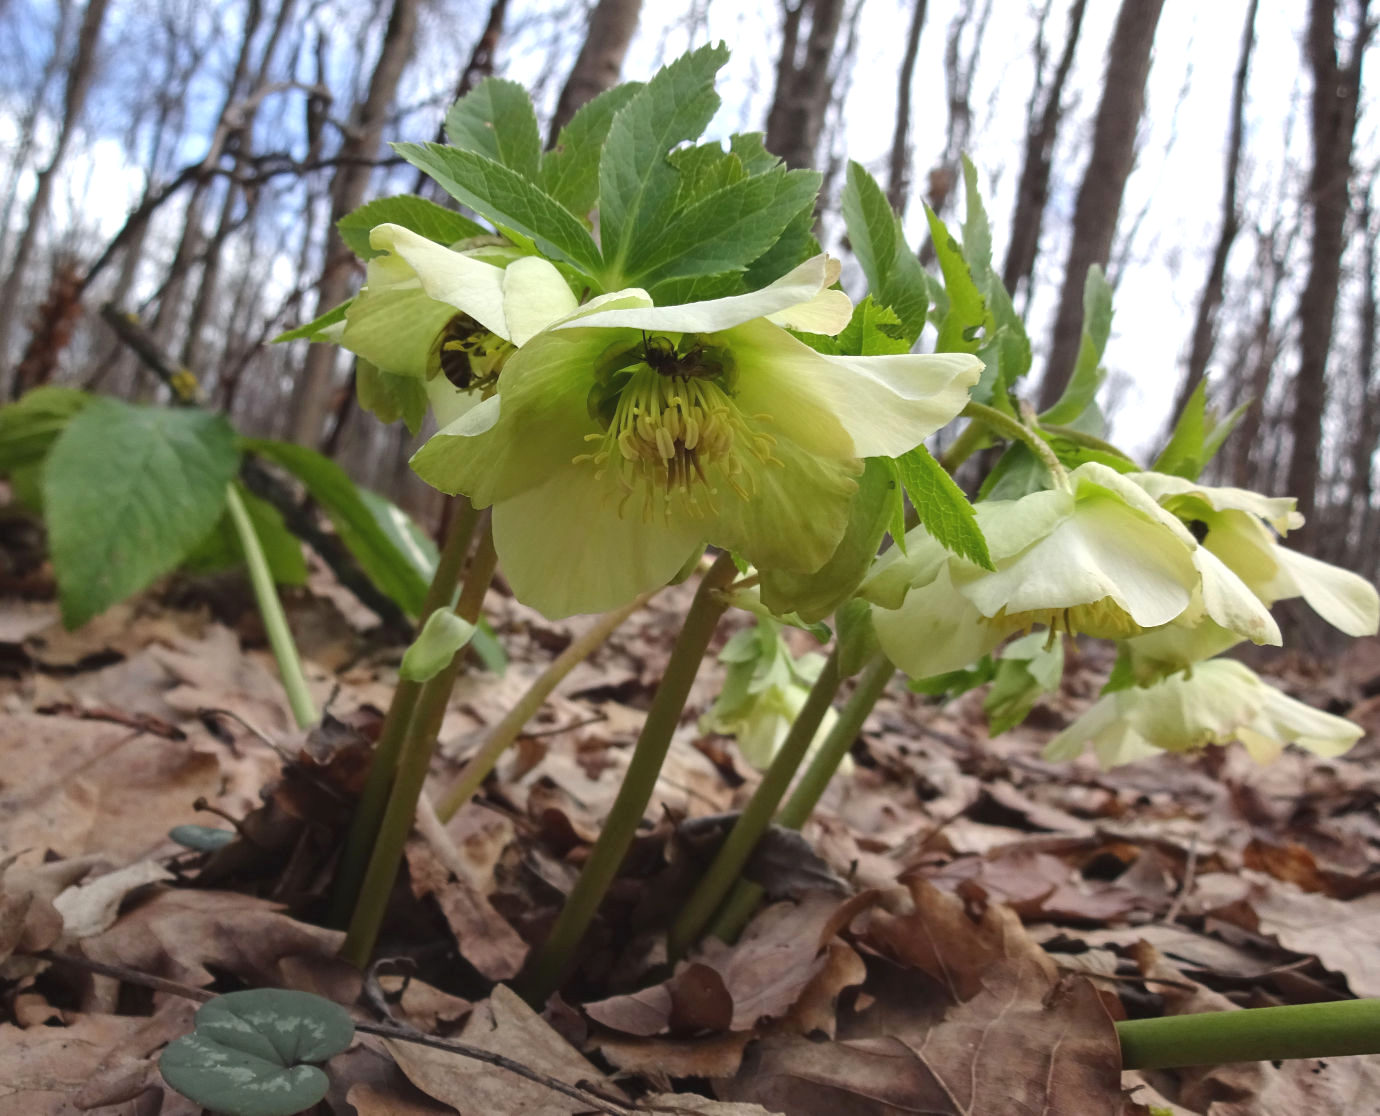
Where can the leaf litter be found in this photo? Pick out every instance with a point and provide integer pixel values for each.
(958, 932)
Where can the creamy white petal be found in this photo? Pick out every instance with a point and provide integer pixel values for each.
(1345, 600)
(471, 286)
(1231, 603)
(535, 294)
(1277, 511)
(935, 630)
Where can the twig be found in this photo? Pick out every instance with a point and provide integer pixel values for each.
(1190, 867)
(400, 1034)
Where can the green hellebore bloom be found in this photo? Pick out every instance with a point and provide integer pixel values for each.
(1220, 701)
(626, 436)
(1099, 557)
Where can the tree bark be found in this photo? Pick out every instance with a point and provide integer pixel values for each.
(79, 77)
(1336, 92)
(1104, 180)
(803, 89)
(1210, 302)
(612, 25)
(310, 398)
(1043, 114)
(1366, 438)
(898, 179)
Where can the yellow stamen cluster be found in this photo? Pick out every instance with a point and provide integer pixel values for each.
(1102, 619)
(673, 437)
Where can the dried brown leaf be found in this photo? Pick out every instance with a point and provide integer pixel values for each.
(486, 940)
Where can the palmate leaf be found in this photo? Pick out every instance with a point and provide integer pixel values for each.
(570, 170)
(496, 120)
(943, 509)
(894, 275)
(967, 322)
(423, 217)
(1079, 396)
(1197, 436)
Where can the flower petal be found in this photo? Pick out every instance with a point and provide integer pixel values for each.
(535, 294)
(1231, 603)
(1345, 600)
(565, 549)
(1277, 511)
(470, 286)
(935, 630)
(395, 328)
(448, 402)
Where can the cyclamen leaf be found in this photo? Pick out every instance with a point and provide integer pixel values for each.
(506, 198)
(570, 170)
(423, 217)
(637, 183)
(496, 120)
(128, 492)
(942, 507)
(894, 275)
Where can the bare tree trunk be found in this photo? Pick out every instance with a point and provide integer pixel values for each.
(1104, 180)
(1210, 302)
(1366, 439)
(1045, 110)
(79, 76)
(612, 24)
(313, 388)
(898, 179)
(802, 92)
(1336, 92)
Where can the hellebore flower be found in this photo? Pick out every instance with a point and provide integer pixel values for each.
(1219, 702)
(763, 692)
(449, 318)
(1241, 529)
(1099, 558)
(627, 436)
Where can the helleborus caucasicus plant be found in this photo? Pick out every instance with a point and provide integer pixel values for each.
(636, 434)
(1219, 702)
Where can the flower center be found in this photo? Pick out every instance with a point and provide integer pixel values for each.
(1101, 619)
(470, 356)
(674, 438)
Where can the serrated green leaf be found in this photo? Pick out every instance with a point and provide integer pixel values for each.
(310, 331)
(251, 1052)
(495, 119)
(637, 183)
(794, 246)
(697, 288)
(441, 637)
(570, 170)
(873, 330)
(389, 559)
(728, 229)
(751, 149)
(1017, 473)
(1026, 670)
(1088, 372)
(967, 324)
(506, 198)
(221, 549)
(894, 275)
(1007, 354)
(703, 169)
(29, 426)
(423, 217)
(389, 397)
(1196, 437)
(128, 491)
(943, 509)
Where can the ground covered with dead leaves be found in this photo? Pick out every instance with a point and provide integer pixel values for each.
(968, 926)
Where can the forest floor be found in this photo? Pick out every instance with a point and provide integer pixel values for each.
(973, 921)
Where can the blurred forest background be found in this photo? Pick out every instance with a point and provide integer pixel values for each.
(186, 159)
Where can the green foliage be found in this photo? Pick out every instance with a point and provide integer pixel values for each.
(252, 1053)
(1196, 438)
(1026, 670)
(443, 634)
(942, 507)
(312, 330)
(570, 170)
(389, 397)
(966, 324)
(894, 275)
(496, 120)
(129, 491)
(857, 637)
(221, 549)
(1078, 406)
(29, 427)
(423, 217)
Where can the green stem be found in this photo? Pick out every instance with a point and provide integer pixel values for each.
(271, 609)
(757, 815)
(1015, 431)
(746, 895)
(414, 759)
(1078, 438)
(383, 764)
(968, 442)
(1268, 1034)
(507, 730)
(555, 954)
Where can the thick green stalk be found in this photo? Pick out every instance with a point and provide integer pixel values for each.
(1079, 438)
(969, 441)
(383, 764)
(507, 730)
(1268, 1034)
(1013, 430)
(413, 761)
(639, 783)
(756, 815)
(746, 896)
(271, 610)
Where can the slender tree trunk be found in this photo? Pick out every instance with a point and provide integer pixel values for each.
(1043, 114)
(1210, 302)
(802, 92)
(1104, 180)
(348, 188)
(898, 178)
(79, 77)
(1336, 93)
(1366, 438)
(612, 24)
